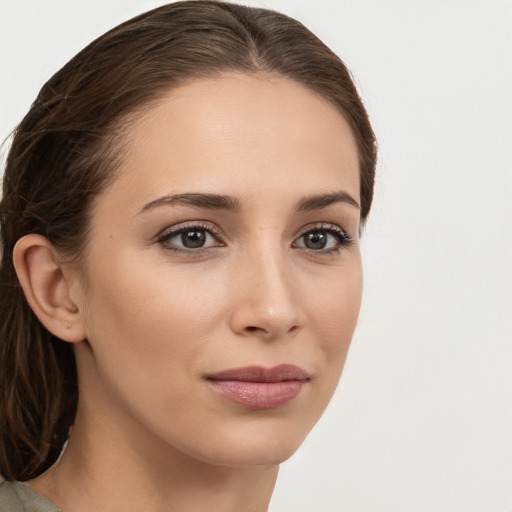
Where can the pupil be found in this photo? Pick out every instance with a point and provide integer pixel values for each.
(193, 239)
(316, 240)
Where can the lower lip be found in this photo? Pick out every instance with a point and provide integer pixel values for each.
(258, 395)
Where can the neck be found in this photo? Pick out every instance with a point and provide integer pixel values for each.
(104, 469)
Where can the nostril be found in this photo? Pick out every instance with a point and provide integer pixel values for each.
(251, 328)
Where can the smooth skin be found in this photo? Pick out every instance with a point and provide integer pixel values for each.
(178, 283)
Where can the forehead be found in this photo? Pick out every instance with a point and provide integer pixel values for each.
(239, 133)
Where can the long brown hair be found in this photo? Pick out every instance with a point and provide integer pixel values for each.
(65, 151)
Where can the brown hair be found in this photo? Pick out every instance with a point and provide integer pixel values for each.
(64, 152)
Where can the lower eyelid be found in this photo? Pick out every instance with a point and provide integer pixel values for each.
(166, 236)
(342, 237)
(339, 244)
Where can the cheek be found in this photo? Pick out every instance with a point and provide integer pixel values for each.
(334, 313)
(152, 320)
(146, 338)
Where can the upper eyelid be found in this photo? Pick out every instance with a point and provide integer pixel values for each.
(217, 233)
(322, 226)
(178, 228)
(166, 235)
(345, 237)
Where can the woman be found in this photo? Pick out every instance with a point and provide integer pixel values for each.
(181, 273)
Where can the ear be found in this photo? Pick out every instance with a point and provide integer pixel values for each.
(47, 287)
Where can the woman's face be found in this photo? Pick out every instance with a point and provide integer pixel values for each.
(226, 248)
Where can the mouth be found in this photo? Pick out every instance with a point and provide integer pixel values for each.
(256, 387)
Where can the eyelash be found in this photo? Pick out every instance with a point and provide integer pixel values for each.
(343, 239)
(166, 236)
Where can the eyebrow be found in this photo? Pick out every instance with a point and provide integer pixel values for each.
(317, 202)
(229, 203)
(209, 201)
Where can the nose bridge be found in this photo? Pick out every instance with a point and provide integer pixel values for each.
(266, 301)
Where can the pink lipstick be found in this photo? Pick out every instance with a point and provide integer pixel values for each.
(257, 387)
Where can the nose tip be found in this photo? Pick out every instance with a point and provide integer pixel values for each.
(266, 303)
(271, 324)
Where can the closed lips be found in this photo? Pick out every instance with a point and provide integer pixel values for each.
(260, 374)
(260, 388)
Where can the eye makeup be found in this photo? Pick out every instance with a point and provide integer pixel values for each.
(197, 237)
(323, 238)
(191, 237)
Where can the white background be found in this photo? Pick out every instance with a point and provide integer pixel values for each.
(422, 420)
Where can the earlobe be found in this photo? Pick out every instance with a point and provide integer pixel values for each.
(46, 287)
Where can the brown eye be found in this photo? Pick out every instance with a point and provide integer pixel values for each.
(192, 239)
(189, 238)
(323, 239)
(315, 240)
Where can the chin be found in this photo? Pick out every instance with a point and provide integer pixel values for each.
(250, 455)
(259, 443)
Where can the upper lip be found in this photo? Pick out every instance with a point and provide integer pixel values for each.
(278, 373)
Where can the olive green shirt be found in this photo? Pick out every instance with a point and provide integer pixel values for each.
(18, 497)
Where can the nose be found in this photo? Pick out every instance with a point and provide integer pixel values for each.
(266, 302)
